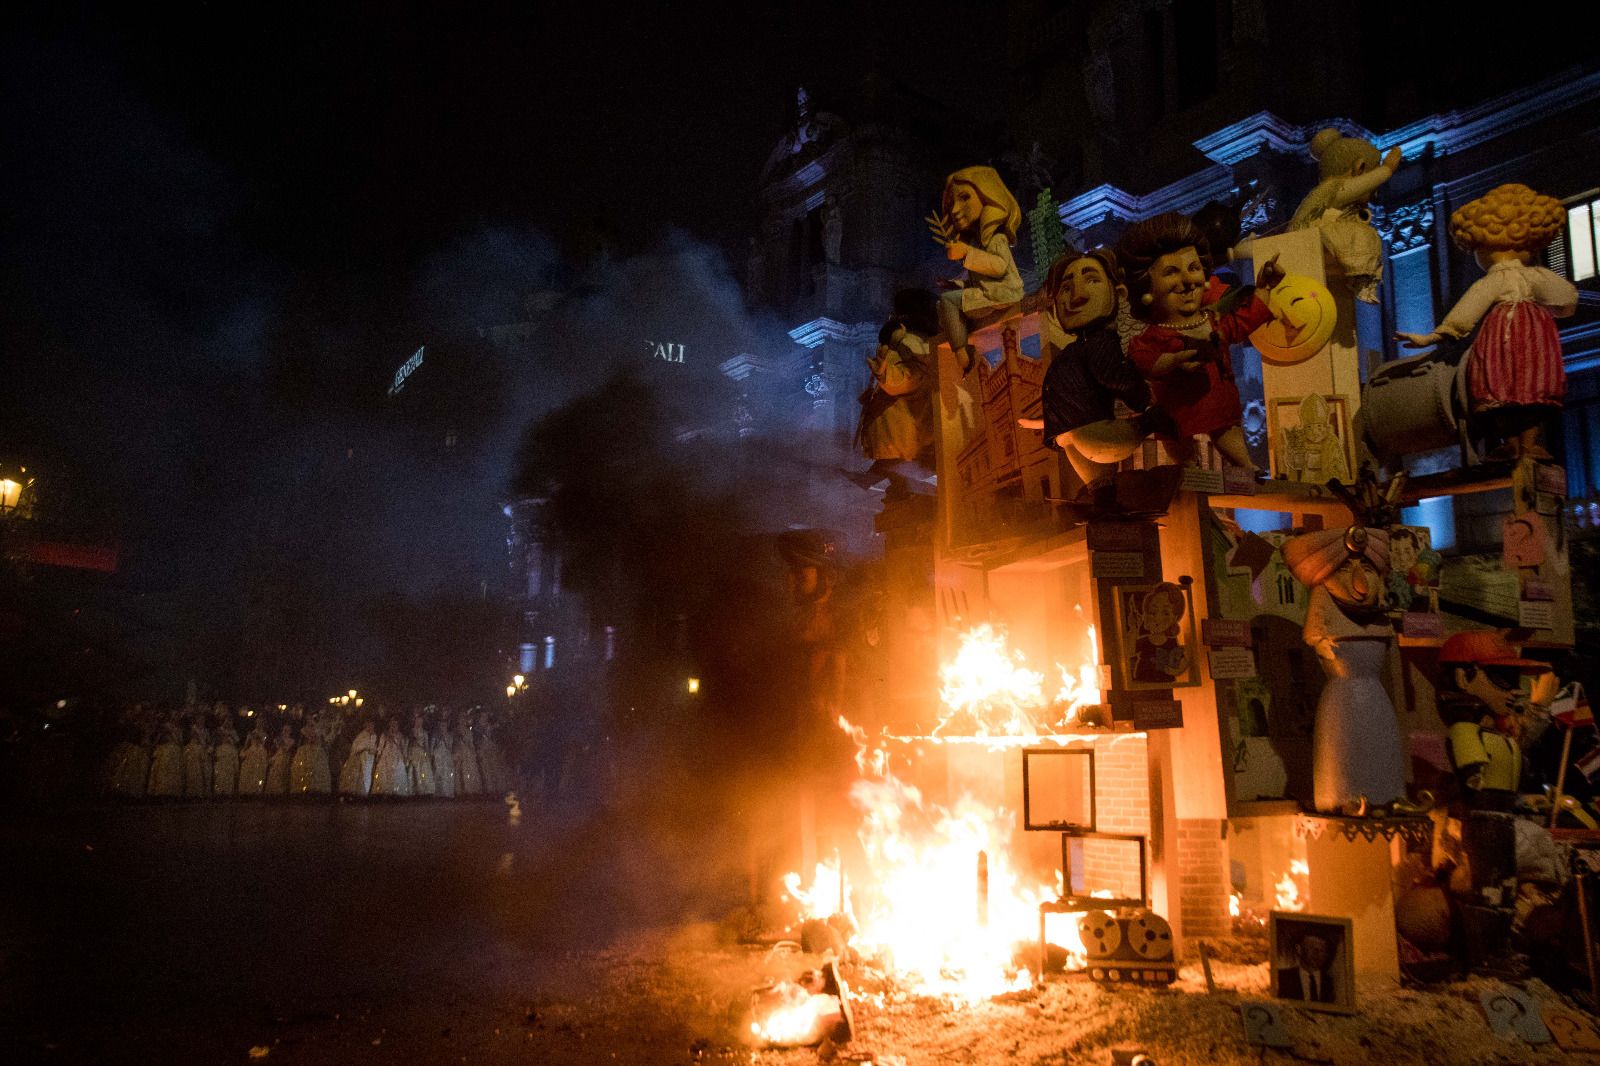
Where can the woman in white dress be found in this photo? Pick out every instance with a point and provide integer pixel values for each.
(278, 766)
(166, 763)
(444, 763)
(355, 776)
(225, 762)
(197, 763)
(492, 764)
(308, 773)
(469, 778)
(130, 766)
(389, 774)
(419, 763)
(253, 764)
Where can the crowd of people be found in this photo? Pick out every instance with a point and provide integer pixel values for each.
(199, 753)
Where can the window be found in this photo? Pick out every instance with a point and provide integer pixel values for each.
(1583, 236)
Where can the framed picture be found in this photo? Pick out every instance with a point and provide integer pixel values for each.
(1311, 439)
(1413, 569)
(1313, 960)
(1156, 634)
(1058, 789)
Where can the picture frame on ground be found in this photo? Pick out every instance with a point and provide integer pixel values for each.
(1313, 960)
(1156, 643)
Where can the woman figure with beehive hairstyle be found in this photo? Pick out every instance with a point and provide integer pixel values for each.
(1515, 376)
(978, 227)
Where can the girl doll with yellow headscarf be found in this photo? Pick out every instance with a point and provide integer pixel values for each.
(978, 227)
(1515, 376)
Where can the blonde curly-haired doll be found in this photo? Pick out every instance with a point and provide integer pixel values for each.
(1349, 172)
(978, 227)
(1514, 370)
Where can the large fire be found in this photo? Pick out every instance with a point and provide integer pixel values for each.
(943, 901)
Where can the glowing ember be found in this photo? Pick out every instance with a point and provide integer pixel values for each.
(1288, 889)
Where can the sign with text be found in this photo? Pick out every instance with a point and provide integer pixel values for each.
(1117, 564)
(1422, 625)
(1231, 664)
(666, 351)
(1238, 481)
(1157, 714)
(407, 368)
(1225, 633)
(1536, 614)
(1197, 479)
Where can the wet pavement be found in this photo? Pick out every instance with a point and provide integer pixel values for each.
(332, 932)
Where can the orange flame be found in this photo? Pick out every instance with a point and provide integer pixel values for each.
(1288, 889)
(923, 909)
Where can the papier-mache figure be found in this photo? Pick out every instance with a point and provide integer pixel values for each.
(896, 427)
(1515, 376)
(978, 226)
(1312, 451)
(1357, 756)
(1091, 374)
(1184, 349)
(1350, 172)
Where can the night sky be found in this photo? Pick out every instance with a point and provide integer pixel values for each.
(224, 227)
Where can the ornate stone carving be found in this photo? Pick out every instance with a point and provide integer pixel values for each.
(816, 384)
(1405, 228)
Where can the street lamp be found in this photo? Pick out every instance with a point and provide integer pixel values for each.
(16, 493)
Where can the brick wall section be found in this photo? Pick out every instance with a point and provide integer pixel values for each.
(1122, 787)
(1203, 878)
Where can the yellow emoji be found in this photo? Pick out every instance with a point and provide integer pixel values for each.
(1303, 317)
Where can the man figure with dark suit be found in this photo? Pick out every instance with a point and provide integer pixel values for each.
(1310, 979)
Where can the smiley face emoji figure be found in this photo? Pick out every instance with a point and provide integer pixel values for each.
(1303, 317)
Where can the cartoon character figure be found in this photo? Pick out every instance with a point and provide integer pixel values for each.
(1350, 172)
(1515, 377)
(896, 427)
(978, 227)
(1159, 656)
(1183, 350)
(1312, 451)
(1091, 374)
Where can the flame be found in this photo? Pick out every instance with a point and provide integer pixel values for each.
(940, 901)
(1288, 889)
(989, 691)
(794, 1017)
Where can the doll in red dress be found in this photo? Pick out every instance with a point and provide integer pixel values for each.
(1183, 351)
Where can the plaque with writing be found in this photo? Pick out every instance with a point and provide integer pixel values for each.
(1421, 624)
(1157, 714)
(1536, 614)
(1231, 664)
(1117, 564)
(1225, 633)
(1197, 479)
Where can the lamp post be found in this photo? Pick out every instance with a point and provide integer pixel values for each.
(16, 492)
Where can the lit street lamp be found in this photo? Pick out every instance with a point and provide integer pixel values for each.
(16, 493)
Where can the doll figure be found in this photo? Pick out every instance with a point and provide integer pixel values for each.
(166, 762)
(1184, 348)
(1312, 451)
(1090, 373)
(1357, 755)
(1515, 376)
(1159, 656)
(469, 778)
(896, 427)
(1349, 173)
(978, 227)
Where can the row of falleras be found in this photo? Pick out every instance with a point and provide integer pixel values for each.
(1149, 324)
(449, 761)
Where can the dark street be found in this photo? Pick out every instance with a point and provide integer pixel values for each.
(325, 933)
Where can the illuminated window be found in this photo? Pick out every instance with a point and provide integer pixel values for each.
(1583, 237)
(549, 652)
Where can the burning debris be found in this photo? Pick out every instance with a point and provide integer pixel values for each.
(803, 1012)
